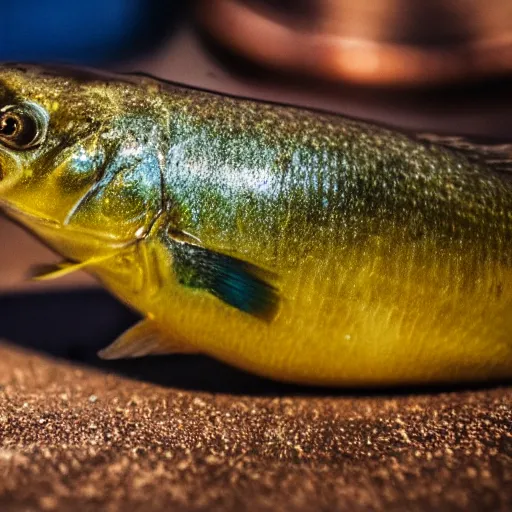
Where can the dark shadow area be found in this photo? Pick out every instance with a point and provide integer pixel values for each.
(74, 325)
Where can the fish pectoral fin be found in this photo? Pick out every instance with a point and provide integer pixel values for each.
(48, 272)
(240, 284)
(143, 339)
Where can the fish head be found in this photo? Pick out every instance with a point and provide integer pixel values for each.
(79, 157)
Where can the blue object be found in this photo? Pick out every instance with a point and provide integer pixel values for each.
(83, 32)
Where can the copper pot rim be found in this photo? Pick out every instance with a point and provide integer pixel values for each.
(350, 59)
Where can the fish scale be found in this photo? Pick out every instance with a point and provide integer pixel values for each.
(296, 244)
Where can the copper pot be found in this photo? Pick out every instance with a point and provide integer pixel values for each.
(375, 42)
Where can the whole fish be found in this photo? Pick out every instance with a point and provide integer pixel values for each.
(295, 244)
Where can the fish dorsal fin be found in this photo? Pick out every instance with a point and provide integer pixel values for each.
(240, 284)
(497, 156)
(143, 339)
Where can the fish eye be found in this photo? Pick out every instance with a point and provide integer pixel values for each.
(23, 126)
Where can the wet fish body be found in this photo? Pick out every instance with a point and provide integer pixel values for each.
(299, 245)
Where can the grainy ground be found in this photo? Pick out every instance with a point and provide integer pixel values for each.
(79, 440)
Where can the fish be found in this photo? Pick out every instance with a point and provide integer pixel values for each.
(296, 244)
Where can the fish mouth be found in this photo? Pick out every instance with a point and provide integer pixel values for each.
(38, 223)
(20, 215)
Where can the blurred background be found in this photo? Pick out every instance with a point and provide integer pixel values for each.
(442, 66)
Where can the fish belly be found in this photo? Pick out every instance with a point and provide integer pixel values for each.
(382, 314)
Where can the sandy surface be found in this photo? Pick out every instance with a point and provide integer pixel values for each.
(76, 439)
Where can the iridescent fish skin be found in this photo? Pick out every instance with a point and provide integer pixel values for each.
(298, 245)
